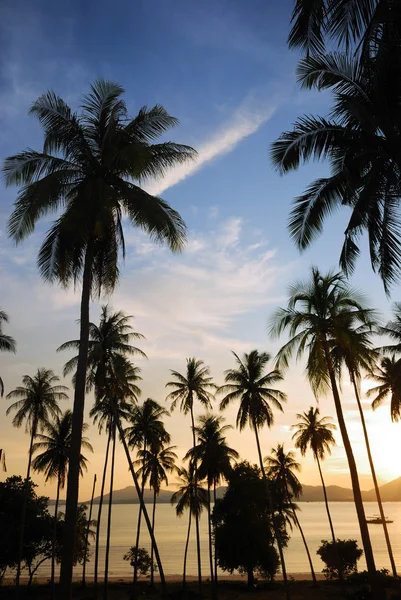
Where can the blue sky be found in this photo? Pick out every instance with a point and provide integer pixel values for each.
(223, 68)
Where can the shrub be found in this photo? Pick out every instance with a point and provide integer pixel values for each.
(339, 557)
(143, 561)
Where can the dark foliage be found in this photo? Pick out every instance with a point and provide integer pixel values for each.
(140, 559)
(339, 557)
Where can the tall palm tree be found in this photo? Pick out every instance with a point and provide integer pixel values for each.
(214, 458)
(282, 468)
(155, 463)
(7, 344)
(360, 141)
(114, 400)
(53, 462)
(190, 496)
(37, 403)
(319, 315)
(251, 385)
(145, 429)
(388, 376)
(91, 167)
(196, 384)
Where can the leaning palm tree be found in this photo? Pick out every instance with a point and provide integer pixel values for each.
(252, 387)
(55, 445)
(359, 140)
(214, 458)
(282, 468)
(196, 384)
(145, 429)
(7, 344)
(37, 403)
(319, 315)
(388, 377)
(90, 168)
(190, 496)
(155, 464)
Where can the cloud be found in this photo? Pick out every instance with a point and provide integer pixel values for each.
(246, 120)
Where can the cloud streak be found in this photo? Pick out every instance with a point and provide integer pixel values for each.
(246, 120)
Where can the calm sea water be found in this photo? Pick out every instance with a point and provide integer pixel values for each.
(171, 534)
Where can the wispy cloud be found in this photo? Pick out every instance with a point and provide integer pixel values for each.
(245, 121)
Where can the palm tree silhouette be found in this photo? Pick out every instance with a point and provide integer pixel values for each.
(319, 315)
(53, 462)
(282, 468)
(7, 344)
(146, 429)
(156, 462)
(91, 167)
(388, 376)
(190, 496)
(213, 456)
(249, 384)
(196, 384)
(37, 404)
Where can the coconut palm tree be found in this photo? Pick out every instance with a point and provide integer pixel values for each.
(393, 330)
(251, 385)
(155, 463)
(37, 403)
(7, 344)
(190, 496)
(91, 167)
(55, 445)
(282, 468)
(145, 429)
(114, 400)
(196, 384)
(214, 458)
(317, 434)
(388, 376)
(359, 139)
(319, 314)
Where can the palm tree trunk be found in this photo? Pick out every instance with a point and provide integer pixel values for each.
(99, 515)
(23, 511)
(152, 575)
(52, 580)
(197, 515)
(209, 524)
(76, 433)
(106, 563)
(215, 554)
(298, 524)
(363, 526)
(373, 471)
(138, 529)
(326, 501)
(87, 534)
(142, 503)
(184, 572)
(251, 579)
(271, 507)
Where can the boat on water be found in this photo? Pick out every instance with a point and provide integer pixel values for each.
(377, 520)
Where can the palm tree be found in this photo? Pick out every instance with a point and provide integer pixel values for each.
(37, 404)
(86, 557)
(319, 316)
(282, 468)
(214, 458)
(114, 401)
(91, 167)
(249, 384)
(156, 463)
(196, 384)
(359, 140)
(192, 496)
(7, 344)
(393, 330)
(146, 429)
(53, 462)
(3, 460)
(388, 376)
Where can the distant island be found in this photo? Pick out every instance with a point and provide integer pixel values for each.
(390, 492)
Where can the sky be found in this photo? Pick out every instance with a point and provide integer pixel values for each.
(224, 70)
